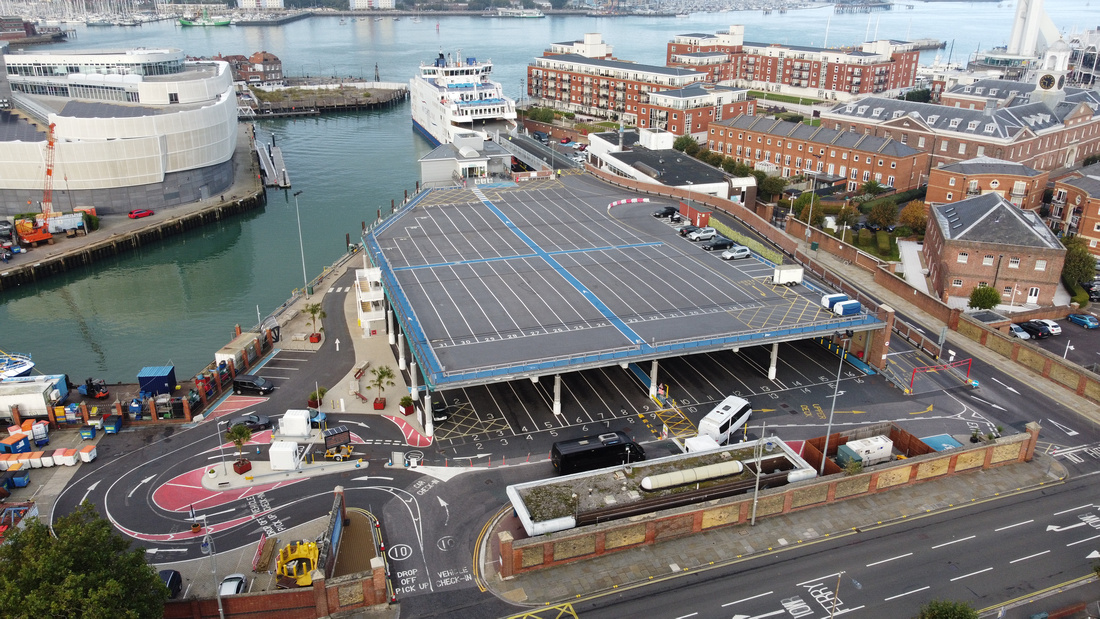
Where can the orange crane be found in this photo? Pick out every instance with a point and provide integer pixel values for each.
(29, 232)
(47, 190)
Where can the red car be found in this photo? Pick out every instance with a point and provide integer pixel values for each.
(139, 213)
(565, 140)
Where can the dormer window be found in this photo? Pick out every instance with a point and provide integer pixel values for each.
(955, 122)
(877, 111)
(861, 110)
(990, 127)
(972, 125)
(933, 118)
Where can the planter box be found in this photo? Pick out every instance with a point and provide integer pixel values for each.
(314, 338)
(241, 467)
(408, 410)
(379, 404)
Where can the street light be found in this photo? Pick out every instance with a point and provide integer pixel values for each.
(1068, 348)
(207, 548)
(759, 455)
(221, 444)
(301, 247)
(836, 391)
(813, 192)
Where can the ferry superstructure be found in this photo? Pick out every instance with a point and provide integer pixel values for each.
(451, 95)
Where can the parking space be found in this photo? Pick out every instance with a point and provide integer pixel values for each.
(1075, 343)
(542, 278)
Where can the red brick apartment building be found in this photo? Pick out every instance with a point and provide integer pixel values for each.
(876, 67)
(988, 241)
(1015, 182)
(795, 149)
(1076, 205)
(581, 76)
(1041, 132)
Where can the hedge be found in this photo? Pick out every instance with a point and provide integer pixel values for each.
(1078, 294)
(752, 244)
(901, 199)
(882, 239)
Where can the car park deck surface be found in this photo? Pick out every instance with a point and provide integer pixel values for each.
(545, 277)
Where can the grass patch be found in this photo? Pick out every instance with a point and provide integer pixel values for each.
(752, 244)
(771, 96)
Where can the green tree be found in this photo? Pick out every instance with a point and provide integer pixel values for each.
(984, 297)
(759, 175)
(943, 609)
(382, 377)
(714, 158)
(847, 217)
(742, 169)
(871, 187)
(920, 95)
(702, 154)
(683, 142)
(1080, 266)
(315, 313)
(772, 186)
(239, 435)
(1091, 159)
(884, 214)
(729, 166)
(83, 569)
(914, 217)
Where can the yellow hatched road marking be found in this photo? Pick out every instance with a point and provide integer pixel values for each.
(549, 612)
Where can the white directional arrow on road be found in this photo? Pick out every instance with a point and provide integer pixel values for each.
(1062, 428)
(988, 403)
(337, 344)
(144, 481)
(90, 488)
(1006, 386)
(358, 423)
(446, 510)
(153, 551)
(1051, 527)
(1095, 554)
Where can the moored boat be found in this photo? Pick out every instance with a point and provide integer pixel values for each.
(453, 95)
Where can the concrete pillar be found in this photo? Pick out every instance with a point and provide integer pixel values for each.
(378, 582)
(775, 358)
(343, 504)
(653, 379)
(320, 595)
(557, 394)
(389, 327)
(412, 381)
(507, 560)
(880, 340)
(401, 351)
(429, 423)
(187, 409)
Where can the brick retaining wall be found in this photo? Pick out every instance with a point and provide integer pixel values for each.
(523, 555)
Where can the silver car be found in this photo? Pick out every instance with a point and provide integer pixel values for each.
(736, 253)
(702, 234)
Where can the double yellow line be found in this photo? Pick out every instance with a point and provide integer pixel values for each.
(477, 546)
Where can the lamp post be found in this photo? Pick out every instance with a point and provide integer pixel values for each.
(1068, 348)
(207, 548)
(813, 188)
(221, 444)
(758, 453)
(301, 246)
(832, 408)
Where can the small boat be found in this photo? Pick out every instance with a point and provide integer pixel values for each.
(13, 365)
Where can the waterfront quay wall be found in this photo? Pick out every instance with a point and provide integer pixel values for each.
(323, 98)
(545, 551)
(93, 250)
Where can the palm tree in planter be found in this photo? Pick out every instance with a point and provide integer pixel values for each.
(239, 435)
(406, 405)
(383, 377)
(315, 397)
(315, 313)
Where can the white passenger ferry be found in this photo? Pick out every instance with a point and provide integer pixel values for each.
(451, 95)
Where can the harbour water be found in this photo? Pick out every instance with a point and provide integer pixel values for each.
(177, 303)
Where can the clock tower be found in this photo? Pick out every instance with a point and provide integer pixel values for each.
(1049, 76)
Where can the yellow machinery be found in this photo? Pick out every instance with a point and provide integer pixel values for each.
(296, 563)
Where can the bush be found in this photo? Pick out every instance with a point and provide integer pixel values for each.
(1078, 293)
(984, 297)
(903, 232)
(756, 246)
(865, 237)
(882, 239)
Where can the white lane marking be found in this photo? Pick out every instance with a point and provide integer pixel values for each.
(901, 595)
(1058, 529)
(747, 599)
(1087, 539)
(890, 559)
(1011, 525)
(1005, 386)
(771, 614)
(1073, 509)
(686, 616)
(815, 580)
(1063, 428)
(90, 488)
(987, 403)
(954, 542)
(144, 481)
(970, 574)
(1038, 554)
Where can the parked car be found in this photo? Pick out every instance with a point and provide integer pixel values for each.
(666, 211)
(1087, 321)
(702, 234)
(173, 581)
(1018, 332)
(439, 409)
(252, 421)
(138, 213)
(1094, 294)
(232, 584)
(686, 230)
(317, 418)
(736, 253)
(252, 383)
(1055, 329)
(1036, 330)
(718, 242)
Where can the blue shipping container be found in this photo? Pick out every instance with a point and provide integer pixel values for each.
(830, 300)
(157, 379)
(847, 308)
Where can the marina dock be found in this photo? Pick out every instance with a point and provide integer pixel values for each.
(272, 165)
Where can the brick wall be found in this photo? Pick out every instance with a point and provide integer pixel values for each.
(545, 551)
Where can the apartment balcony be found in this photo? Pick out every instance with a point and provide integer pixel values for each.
(369, 296)
(970, 193)
(1018, 193)
(1058, 201)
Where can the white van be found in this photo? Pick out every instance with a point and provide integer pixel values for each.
(730, 415)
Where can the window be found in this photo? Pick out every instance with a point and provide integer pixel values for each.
(987, 260)
(962, 148)
(963, 257)
(866, 175)
(855, 158)
(948, 196)
(1013, 263)
(957, 283)
(983, 284)
(951, 182)
(943, 146)
(1040, 265)
(920, 142)
(893, 165)
(889, 181)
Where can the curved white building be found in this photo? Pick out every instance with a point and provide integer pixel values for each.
(133, 129)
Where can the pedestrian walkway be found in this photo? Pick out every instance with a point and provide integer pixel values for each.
(770, 535)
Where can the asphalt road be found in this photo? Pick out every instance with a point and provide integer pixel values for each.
(985, 554)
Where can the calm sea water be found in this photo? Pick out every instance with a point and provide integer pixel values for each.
(177, 303)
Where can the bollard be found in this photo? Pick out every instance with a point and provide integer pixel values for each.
(528, 457)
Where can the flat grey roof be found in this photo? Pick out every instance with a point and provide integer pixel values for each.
(92, 109)
(494, 284)
(619, 64)
(15, 129)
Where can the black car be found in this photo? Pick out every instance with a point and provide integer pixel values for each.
(439, 409)
(173, 581)
(1036, 331)
(1041, 327)
(686, 230)
(718, 242)
(666, 211)
(252, 383)
(252, 422)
